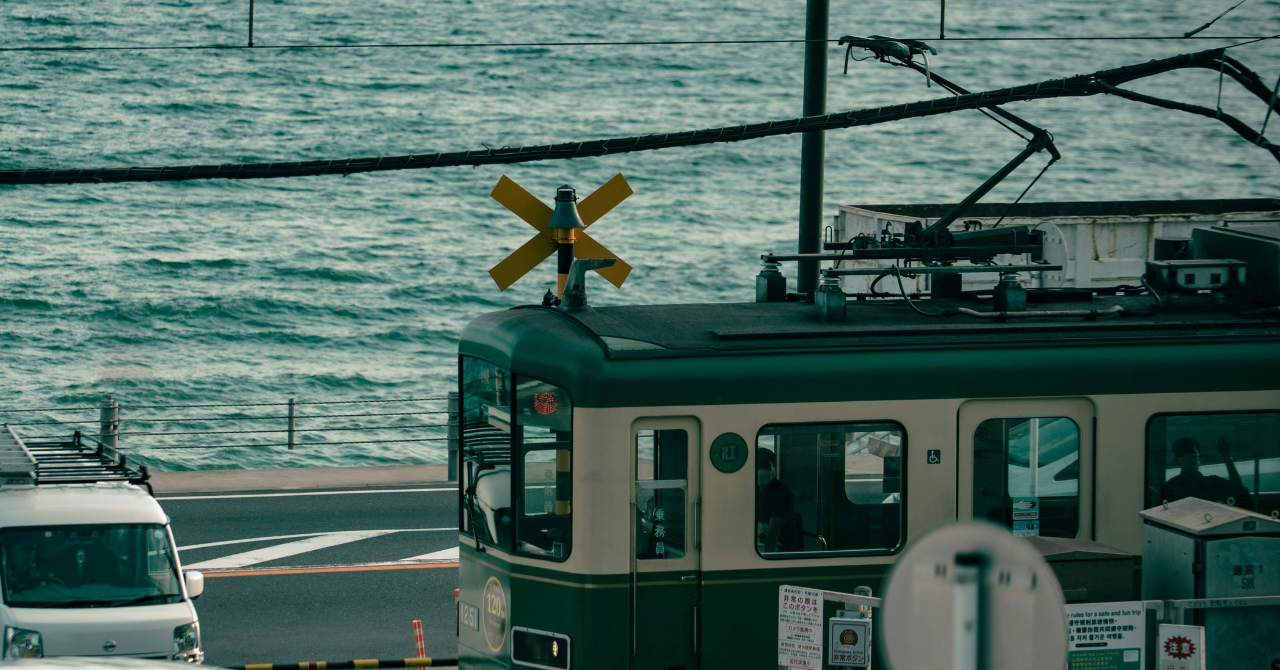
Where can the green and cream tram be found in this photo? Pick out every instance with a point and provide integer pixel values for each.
(638, 481)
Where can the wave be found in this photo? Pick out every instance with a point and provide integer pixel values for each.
(333, 275)
(196, 263)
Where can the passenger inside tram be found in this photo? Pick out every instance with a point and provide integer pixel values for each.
(776, 528)
(1191, 483)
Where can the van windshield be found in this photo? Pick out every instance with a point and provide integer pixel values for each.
(114, 565)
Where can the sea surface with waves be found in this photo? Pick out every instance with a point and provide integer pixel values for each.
(356, 288)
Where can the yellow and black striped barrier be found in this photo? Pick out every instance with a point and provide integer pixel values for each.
(365, 664)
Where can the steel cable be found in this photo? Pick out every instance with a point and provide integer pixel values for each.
(618, 43)
(1077, 86)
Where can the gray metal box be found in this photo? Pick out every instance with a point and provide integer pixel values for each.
(1257, 245)
(1198, 549)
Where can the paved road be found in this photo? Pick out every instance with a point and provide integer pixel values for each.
(321, 575)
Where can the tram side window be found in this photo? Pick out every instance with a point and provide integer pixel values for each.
(544, 424)
(662, 485)
(486, 452)
(1231, 458)
(829, 488)
(1026, 475)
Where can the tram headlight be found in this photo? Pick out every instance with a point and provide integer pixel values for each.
(539, 649)
(21, 643)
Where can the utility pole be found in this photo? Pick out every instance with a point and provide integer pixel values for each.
(812, 149)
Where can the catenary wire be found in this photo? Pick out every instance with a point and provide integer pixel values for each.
(1077, 86)
(602, 43)
(1228, 10)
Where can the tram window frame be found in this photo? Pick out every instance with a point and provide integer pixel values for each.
(563, 477)
(980, 487)
(661, 495)
(857, 426)
(1150, 500)
(472, 470)
(514, 447)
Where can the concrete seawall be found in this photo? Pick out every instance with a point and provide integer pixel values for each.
(287, 479)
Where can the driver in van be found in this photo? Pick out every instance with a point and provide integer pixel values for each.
(775, 506)
(1191, 483)
(20, 569)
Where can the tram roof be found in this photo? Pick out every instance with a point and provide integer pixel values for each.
(657, 331)
(1089, 208)
(704, 345)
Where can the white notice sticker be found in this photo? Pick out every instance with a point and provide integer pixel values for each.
(1180, 647)
(850, 642)
(1106, 636)
(799, 627)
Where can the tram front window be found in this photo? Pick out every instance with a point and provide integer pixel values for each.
(1026, 475)
(544, 421)
(833, 488)
(486, 452)
(527, 510)
(1231, 458)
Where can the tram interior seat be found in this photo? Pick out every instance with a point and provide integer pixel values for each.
(866, 526)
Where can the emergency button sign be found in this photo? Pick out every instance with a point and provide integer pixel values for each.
(850, 642)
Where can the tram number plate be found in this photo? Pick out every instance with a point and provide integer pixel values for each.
(469, 616)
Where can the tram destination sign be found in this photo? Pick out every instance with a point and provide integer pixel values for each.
(799, 627)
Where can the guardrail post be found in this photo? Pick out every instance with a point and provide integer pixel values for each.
(291, 423)
(453, 436)
(109, 417)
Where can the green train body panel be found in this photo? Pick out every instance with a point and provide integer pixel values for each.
(739, 626)
(677, 365)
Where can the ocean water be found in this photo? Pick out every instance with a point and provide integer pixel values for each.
(356, 288)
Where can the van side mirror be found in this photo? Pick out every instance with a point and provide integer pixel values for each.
(195, 583)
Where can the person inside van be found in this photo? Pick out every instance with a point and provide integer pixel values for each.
(21, 571)
(776, 528)
(1191, 483)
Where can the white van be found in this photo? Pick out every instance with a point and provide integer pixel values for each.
(87, 561)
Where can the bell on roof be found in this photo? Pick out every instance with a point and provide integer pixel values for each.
(566, 213)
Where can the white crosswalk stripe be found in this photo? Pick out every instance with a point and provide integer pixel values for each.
(451, 554)
(309, 542)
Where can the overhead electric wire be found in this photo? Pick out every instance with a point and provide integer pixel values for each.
(1103, 81)
(1215, 19)
(609, 43)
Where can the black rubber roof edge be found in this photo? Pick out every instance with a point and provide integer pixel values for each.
(1096, 208)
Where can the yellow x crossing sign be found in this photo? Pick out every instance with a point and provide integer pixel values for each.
(549, 239)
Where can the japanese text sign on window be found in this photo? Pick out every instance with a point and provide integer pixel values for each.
(1106, 636)
(799, 627)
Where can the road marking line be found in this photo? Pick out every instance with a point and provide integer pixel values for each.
(288, 549)
(451, 553)
(290, 537)
(299, 493)
(373, 567)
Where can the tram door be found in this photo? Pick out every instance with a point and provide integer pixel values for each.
(665, 544)
(1028, 465)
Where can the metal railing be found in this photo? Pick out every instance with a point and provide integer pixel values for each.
(133, 428)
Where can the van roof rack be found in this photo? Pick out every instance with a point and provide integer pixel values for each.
(78, 460)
